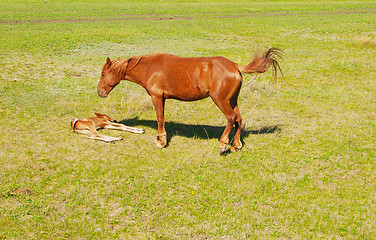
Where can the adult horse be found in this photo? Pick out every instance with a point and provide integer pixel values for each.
(166, 76)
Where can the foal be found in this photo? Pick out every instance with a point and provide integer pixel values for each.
(166, 76)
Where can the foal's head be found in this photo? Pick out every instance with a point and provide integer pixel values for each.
(111, 76)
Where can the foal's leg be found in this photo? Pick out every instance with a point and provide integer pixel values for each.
(104, 138)
(161, 140)
(122, 127)
(92, 133)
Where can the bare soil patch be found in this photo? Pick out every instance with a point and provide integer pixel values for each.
(188, 16)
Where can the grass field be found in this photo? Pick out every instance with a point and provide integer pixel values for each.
(307, 169)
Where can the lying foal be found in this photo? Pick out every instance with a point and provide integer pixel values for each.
(89, 127)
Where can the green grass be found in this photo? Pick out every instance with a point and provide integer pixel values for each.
(307, 169)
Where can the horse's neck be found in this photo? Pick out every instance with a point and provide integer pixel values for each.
(136, 71)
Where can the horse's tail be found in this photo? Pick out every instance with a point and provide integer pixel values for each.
(261, 63)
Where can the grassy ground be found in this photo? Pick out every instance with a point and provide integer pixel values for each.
(307, 169)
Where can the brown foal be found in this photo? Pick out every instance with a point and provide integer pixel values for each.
(166, 76)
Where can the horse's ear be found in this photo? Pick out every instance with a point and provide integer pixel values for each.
(108, 61)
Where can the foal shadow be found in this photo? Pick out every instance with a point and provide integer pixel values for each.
(199, 131)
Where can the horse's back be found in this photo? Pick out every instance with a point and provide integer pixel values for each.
(201, 67)
(170, 60)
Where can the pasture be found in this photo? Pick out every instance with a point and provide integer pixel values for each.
(307, 168)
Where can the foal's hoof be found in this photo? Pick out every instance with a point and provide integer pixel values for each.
(160, 141)
(112, 139)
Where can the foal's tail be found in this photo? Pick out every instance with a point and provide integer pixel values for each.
(261, 64)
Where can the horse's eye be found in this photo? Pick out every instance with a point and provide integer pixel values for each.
(102, 74)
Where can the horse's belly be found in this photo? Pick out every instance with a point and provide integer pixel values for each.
(187, 94)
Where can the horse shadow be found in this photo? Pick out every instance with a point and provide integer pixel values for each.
(199, 131)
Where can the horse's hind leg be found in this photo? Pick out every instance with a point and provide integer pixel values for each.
(238, 124)
(231, 117)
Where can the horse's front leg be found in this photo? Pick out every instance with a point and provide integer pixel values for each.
(161, 140)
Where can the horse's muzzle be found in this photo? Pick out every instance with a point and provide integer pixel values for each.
(102, 94)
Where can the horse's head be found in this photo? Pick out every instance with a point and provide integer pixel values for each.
(109, 79)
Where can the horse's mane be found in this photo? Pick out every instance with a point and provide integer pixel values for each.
(120, 66)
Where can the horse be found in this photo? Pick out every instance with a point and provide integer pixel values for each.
(165, 76)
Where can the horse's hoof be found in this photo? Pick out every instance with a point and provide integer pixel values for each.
(222, 148)
(234, 149)
(224, 152)
(160, 142)
(158, 145)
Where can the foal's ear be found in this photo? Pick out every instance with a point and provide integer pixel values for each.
(104, 116)
(108, 61)
(99, 115)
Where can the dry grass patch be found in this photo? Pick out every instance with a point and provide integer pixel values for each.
(366, 41)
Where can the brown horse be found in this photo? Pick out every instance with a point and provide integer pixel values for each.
(166, 76)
